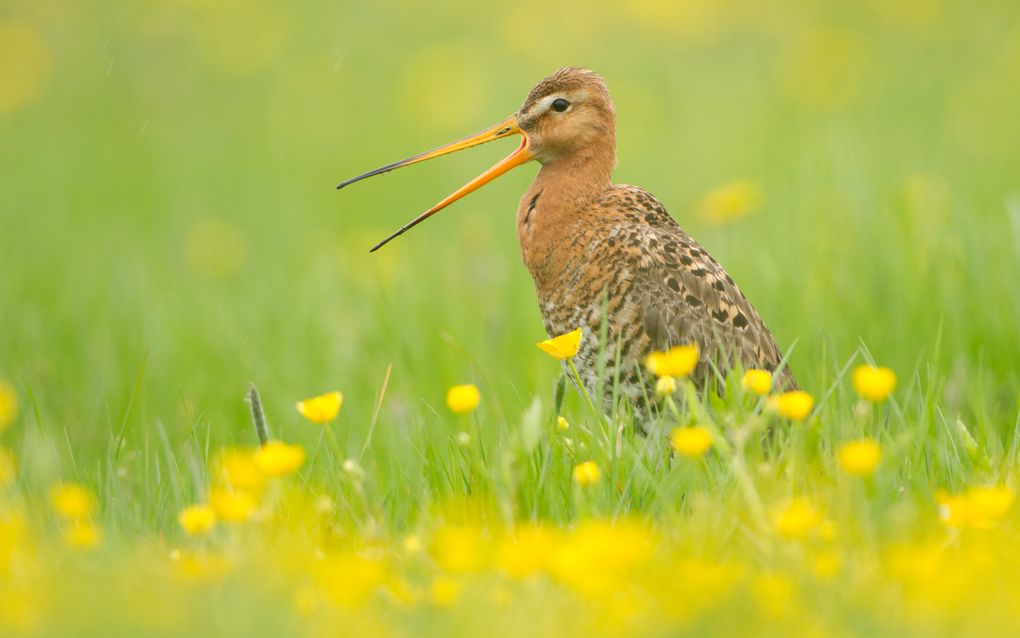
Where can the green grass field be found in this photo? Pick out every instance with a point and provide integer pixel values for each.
(170, 234)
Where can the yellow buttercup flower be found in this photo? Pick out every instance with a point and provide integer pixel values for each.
(730, 202)
(692, 442)
(8, 466)
(797, 519)
(562, 347)
(859, 457)
(8, 405)
(237, 468)
(460, 548)
(677, 362)
(26, 64)
(587, 473)
(561, 424)
(277, 458)
(462, 399)
(197, 519)
(873, 383)
(72, 501)
(991, 502)
(321, 409)
(795, 405)
(665, 386)
(232, 506)
(757, 381)
(529, 551)
(979, 507)
(445, 591)
(81, 534)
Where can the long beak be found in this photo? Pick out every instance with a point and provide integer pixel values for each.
(505, 128)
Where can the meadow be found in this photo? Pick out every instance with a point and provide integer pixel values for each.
(170, 236)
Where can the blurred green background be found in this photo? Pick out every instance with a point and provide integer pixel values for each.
(170, 232)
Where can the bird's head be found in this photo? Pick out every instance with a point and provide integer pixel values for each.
(567, 113)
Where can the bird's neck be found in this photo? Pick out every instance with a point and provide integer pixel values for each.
(556, 202)
(579, 177)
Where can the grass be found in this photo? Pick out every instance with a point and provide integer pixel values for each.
(169, 235)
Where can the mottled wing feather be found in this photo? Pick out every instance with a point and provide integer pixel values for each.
(685, 296)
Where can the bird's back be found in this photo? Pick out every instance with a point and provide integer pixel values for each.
(628, 261)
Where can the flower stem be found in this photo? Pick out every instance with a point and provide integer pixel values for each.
(577, 379)
(333, 443)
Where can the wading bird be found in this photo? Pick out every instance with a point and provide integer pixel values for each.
(608, 257)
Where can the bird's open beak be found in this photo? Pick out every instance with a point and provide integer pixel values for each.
(505, 128)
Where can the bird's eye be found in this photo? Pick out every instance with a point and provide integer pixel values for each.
(559, 105)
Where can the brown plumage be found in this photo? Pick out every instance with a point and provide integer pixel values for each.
(609, 258)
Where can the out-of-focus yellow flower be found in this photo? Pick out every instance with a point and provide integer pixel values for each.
(827, 564)
(81, 534)
(197, 519)
(72, 501)
(445, 591)
(232, 506)
(598, 555)
(8, 405)
(561, 424)
(757, 381)
(529, 551)
(321, 409)
(237, 468)
(730, 202)
(991, 502)
(8, 466)
(587, 473)
(350, 578)
(277, 458)
(692, 442)
(199, 567)
(307, 600)
(797, 519)
(412, 544)
(859, 457)
(462, 399)
(825, 68)
(677, 362)
(795, 405)
(459, 549)
(979, 507)
(874, 383)
(775, 594)
(562, 347)
(665, 386)
(25, 65)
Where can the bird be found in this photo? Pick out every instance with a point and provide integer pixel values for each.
(608, 258)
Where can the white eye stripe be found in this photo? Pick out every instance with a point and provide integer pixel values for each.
(545, 104)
